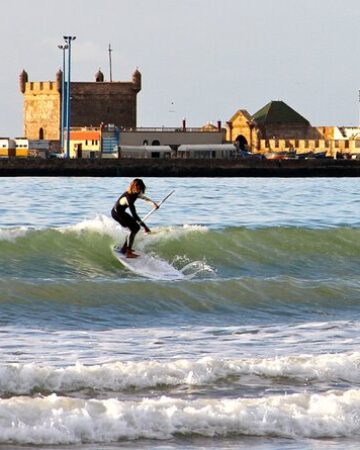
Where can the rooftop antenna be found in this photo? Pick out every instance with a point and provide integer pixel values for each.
(110, 50)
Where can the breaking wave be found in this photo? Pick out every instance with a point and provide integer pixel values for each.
(26, 379)
(62, 420)
(83, 250)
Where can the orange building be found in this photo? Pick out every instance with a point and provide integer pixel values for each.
(85, 143)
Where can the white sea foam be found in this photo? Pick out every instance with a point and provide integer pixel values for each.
(105, 225)
(11, 234)
(172, 232)
(27, 378)
(64, 420)
(100, 224)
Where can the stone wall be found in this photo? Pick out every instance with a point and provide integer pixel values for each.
(92, 103)
(103, 102)
(179, 168)
(330, 146)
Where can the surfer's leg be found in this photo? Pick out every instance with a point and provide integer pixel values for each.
(134, 228)
(125, 246)
(126, 221)
(133, 232)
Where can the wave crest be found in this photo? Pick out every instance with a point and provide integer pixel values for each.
(21, 379)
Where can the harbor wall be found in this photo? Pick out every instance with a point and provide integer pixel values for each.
(179, 168)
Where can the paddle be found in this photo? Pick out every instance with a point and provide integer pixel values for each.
(159, 204)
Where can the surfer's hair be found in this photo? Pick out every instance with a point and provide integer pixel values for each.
(136, 185)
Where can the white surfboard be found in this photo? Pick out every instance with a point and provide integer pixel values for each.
(148, 266)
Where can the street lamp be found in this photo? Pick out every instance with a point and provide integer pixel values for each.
(68, 40)
(63, 104)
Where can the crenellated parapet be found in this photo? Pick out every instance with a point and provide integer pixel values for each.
(41, 86)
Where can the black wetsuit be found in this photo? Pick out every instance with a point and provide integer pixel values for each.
(118, 213)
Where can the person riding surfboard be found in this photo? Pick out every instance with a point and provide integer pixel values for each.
(133, 222)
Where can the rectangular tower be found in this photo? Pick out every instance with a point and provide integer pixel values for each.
(92, 104)
(42, 101)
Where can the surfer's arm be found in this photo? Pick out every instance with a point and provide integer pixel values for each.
(147, 199)
(137, 218)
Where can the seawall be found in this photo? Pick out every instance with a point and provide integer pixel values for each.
(179, 168)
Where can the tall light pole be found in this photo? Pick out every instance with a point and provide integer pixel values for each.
(63, 104)
(68, 40)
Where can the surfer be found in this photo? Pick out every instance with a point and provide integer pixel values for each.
(133, 222)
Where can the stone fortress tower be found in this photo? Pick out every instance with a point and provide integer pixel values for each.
(92, 103)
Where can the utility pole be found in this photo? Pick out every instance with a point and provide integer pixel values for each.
(110, 50)
(63, 48)
(68, 40)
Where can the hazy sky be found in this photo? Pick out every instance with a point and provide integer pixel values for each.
(199, 59)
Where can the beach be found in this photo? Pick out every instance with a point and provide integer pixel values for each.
(256, 347)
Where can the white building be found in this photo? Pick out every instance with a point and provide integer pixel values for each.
(7, 147)
(207, 151)
(144, 151)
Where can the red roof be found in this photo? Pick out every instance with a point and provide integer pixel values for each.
(84, 135)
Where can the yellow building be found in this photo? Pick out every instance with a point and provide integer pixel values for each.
(278, 129)
(241, 129)
(85, 143)
(21, 147)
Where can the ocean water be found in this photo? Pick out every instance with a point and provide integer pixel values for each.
(258, 346)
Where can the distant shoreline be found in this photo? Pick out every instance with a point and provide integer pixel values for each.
(178, 168)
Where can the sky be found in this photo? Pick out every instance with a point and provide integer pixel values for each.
(200, 59)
